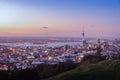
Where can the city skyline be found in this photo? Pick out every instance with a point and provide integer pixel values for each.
(100, 18)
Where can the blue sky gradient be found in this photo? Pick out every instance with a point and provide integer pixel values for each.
(99, 17)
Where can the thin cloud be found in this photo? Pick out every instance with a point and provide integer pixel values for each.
(45, 27)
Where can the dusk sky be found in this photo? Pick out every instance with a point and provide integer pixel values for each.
(61, 18)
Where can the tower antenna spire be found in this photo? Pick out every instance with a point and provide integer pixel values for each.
(83, 33)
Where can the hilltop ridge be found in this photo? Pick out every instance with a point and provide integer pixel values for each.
(104, 70)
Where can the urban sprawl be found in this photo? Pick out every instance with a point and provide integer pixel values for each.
(22, 57)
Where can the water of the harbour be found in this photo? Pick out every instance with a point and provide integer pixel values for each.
(54, 44)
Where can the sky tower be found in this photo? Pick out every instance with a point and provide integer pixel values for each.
(83, 37)
(83, 34)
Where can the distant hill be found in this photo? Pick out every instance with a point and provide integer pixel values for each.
(105, 70)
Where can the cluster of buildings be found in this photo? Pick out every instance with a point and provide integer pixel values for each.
(29, 57)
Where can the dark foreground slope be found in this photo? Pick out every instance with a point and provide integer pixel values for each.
(105, 70)
(40, 72)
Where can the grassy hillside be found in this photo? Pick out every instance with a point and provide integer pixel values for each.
(105, 70)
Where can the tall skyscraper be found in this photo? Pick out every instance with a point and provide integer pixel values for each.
(83, 37)
(83, 34)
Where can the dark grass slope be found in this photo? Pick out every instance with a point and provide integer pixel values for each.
(105, 70)
(38, 73)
